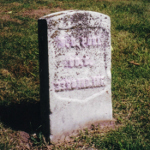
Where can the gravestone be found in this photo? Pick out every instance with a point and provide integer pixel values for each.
(75, 72)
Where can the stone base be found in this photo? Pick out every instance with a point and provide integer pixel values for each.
(67, 137)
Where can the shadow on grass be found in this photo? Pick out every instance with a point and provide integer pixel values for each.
(24, 116)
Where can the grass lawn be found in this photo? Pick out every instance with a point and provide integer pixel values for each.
(19, 75)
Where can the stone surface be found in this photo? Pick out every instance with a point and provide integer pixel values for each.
(75, 71)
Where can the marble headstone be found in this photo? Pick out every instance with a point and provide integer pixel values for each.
(75, 71)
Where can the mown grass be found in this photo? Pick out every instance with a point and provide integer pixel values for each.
(19, 75)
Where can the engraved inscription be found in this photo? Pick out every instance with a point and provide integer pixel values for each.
(78, 62)
(80, 83)
(89, 52)
(84, 42)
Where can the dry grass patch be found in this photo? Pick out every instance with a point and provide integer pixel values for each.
(20, 69)
(117, 0)
(36, 13)
(7, 17)
(14, 139)
(7, 34)
(40, 12)
(5, 72)
(4, 86)
(7, 7)
(16, 4)
(6, 12)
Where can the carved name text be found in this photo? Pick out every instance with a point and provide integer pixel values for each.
(80, 83)
(84, 42)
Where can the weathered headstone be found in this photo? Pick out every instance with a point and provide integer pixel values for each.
(75, 71)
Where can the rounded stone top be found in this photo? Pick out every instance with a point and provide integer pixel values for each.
(71, 19)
